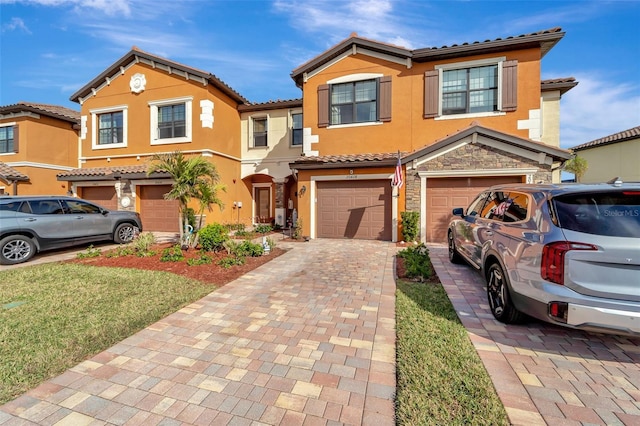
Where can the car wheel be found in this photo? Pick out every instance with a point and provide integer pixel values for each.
(454, 256)
(16, 249)
(125, 233)
(499, 299)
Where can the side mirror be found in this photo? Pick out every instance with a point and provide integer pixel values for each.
(458, 211)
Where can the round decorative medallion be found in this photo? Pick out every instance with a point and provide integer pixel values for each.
(137, 83)
(125, 201)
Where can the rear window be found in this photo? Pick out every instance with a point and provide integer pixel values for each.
(615, 214)
(16, 206)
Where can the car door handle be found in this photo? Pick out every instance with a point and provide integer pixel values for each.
(79, 217)
(489, 233)
(30, 219)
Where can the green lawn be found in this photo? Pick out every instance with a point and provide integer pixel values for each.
(54, 316)
(441, 379)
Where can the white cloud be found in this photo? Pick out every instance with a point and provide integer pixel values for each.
(597, 108)
(16, 24)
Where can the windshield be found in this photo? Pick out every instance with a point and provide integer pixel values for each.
(615, 214)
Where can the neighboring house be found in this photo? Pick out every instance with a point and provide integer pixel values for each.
(143, 105)
(271, 137)
(616, 155)
(37, 141)
(461, 117)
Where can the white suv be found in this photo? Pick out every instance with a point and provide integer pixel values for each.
(31, 224)
(567, 254)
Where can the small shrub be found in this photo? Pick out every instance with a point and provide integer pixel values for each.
(297, 230)
(242, 233)
(263, 228)
(202, 259)
(212, 237)
(410, 225)
(234, 226)
(272, 243)
(230, 261)
(91, 251)
(123, 250)
(172, 254)
(144, 242)
(248, 248)
(417, 262)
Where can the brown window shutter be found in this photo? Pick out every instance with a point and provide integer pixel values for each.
(15, 138)
(510, 85)
(385, 98)
(323, 105)
(431, 90)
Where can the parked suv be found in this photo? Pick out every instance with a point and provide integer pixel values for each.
(31, 224)
(567, 254)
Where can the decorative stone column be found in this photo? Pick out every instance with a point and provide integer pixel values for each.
(279, 201)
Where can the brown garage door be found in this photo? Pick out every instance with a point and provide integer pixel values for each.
(445, 194)
(359, 210)
(157, 213)
(104, 196)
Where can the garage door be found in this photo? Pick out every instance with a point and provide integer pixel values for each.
(157, 213)
(445, 194)
(104, 196)
(359, 210)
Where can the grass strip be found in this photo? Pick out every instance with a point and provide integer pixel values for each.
(441, 379)
(54, 316)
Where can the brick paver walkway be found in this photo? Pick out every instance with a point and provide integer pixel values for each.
(545, 374)
(308, 338)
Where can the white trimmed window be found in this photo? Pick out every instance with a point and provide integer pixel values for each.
(109, 127)
(296, 128)
(259, 132)
(171, 121)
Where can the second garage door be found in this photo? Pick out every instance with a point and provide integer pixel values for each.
(157, 213)
(444, 194)
(358, 210)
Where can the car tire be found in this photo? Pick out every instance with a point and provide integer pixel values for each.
(125, 233)
(454, 256)
(16, 249)
(499, 298)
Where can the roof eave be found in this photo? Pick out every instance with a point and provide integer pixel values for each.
(308, 165)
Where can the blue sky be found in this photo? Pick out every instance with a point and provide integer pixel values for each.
(51, 48)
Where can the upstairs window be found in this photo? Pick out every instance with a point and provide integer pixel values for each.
(354, 100)
(470, 90)
(171, 121)
(7, 139)
(296, 129)
(111, 128)
(259, 132)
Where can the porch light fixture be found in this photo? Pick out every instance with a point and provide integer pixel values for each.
(302, 190)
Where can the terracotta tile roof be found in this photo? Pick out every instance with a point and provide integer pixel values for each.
(327, 161)
(272, 104)
(9, 173)
(104, 172)
(55, 111)
(563, 84)
(625, 135)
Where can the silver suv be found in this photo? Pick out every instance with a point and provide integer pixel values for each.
(30, 224)
(567, 254)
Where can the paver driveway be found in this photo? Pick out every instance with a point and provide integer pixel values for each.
(546, 374)
(308, 338)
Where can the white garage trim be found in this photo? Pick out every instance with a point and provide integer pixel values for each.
(380, 176)
(424, 175)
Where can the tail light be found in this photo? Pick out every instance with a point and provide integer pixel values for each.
(553, 254)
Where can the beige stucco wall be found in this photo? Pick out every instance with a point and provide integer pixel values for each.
(615, 160)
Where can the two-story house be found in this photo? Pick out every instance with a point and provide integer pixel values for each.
(37, 141)
(144, 104)
(460, 118)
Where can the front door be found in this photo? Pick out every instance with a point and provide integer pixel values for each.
(263, 204)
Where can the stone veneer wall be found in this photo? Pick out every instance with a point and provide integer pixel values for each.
(471, 157)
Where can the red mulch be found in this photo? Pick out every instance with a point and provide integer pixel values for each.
(211, 273)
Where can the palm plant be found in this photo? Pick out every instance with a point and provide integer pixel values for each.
(577, 165)
(193, 177)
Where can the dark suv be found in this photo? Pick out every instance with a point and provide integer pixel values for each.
(566, 253)
(30, 224)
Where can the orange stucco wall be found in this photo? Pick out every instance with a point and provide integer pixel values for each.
(408, 130)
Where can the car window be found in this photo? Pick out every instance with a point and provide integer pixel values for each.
(518, 204)
(476, 205)
(496, 205)
(607, 213)
(46, 207)
(80, 207)
(16, 206)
